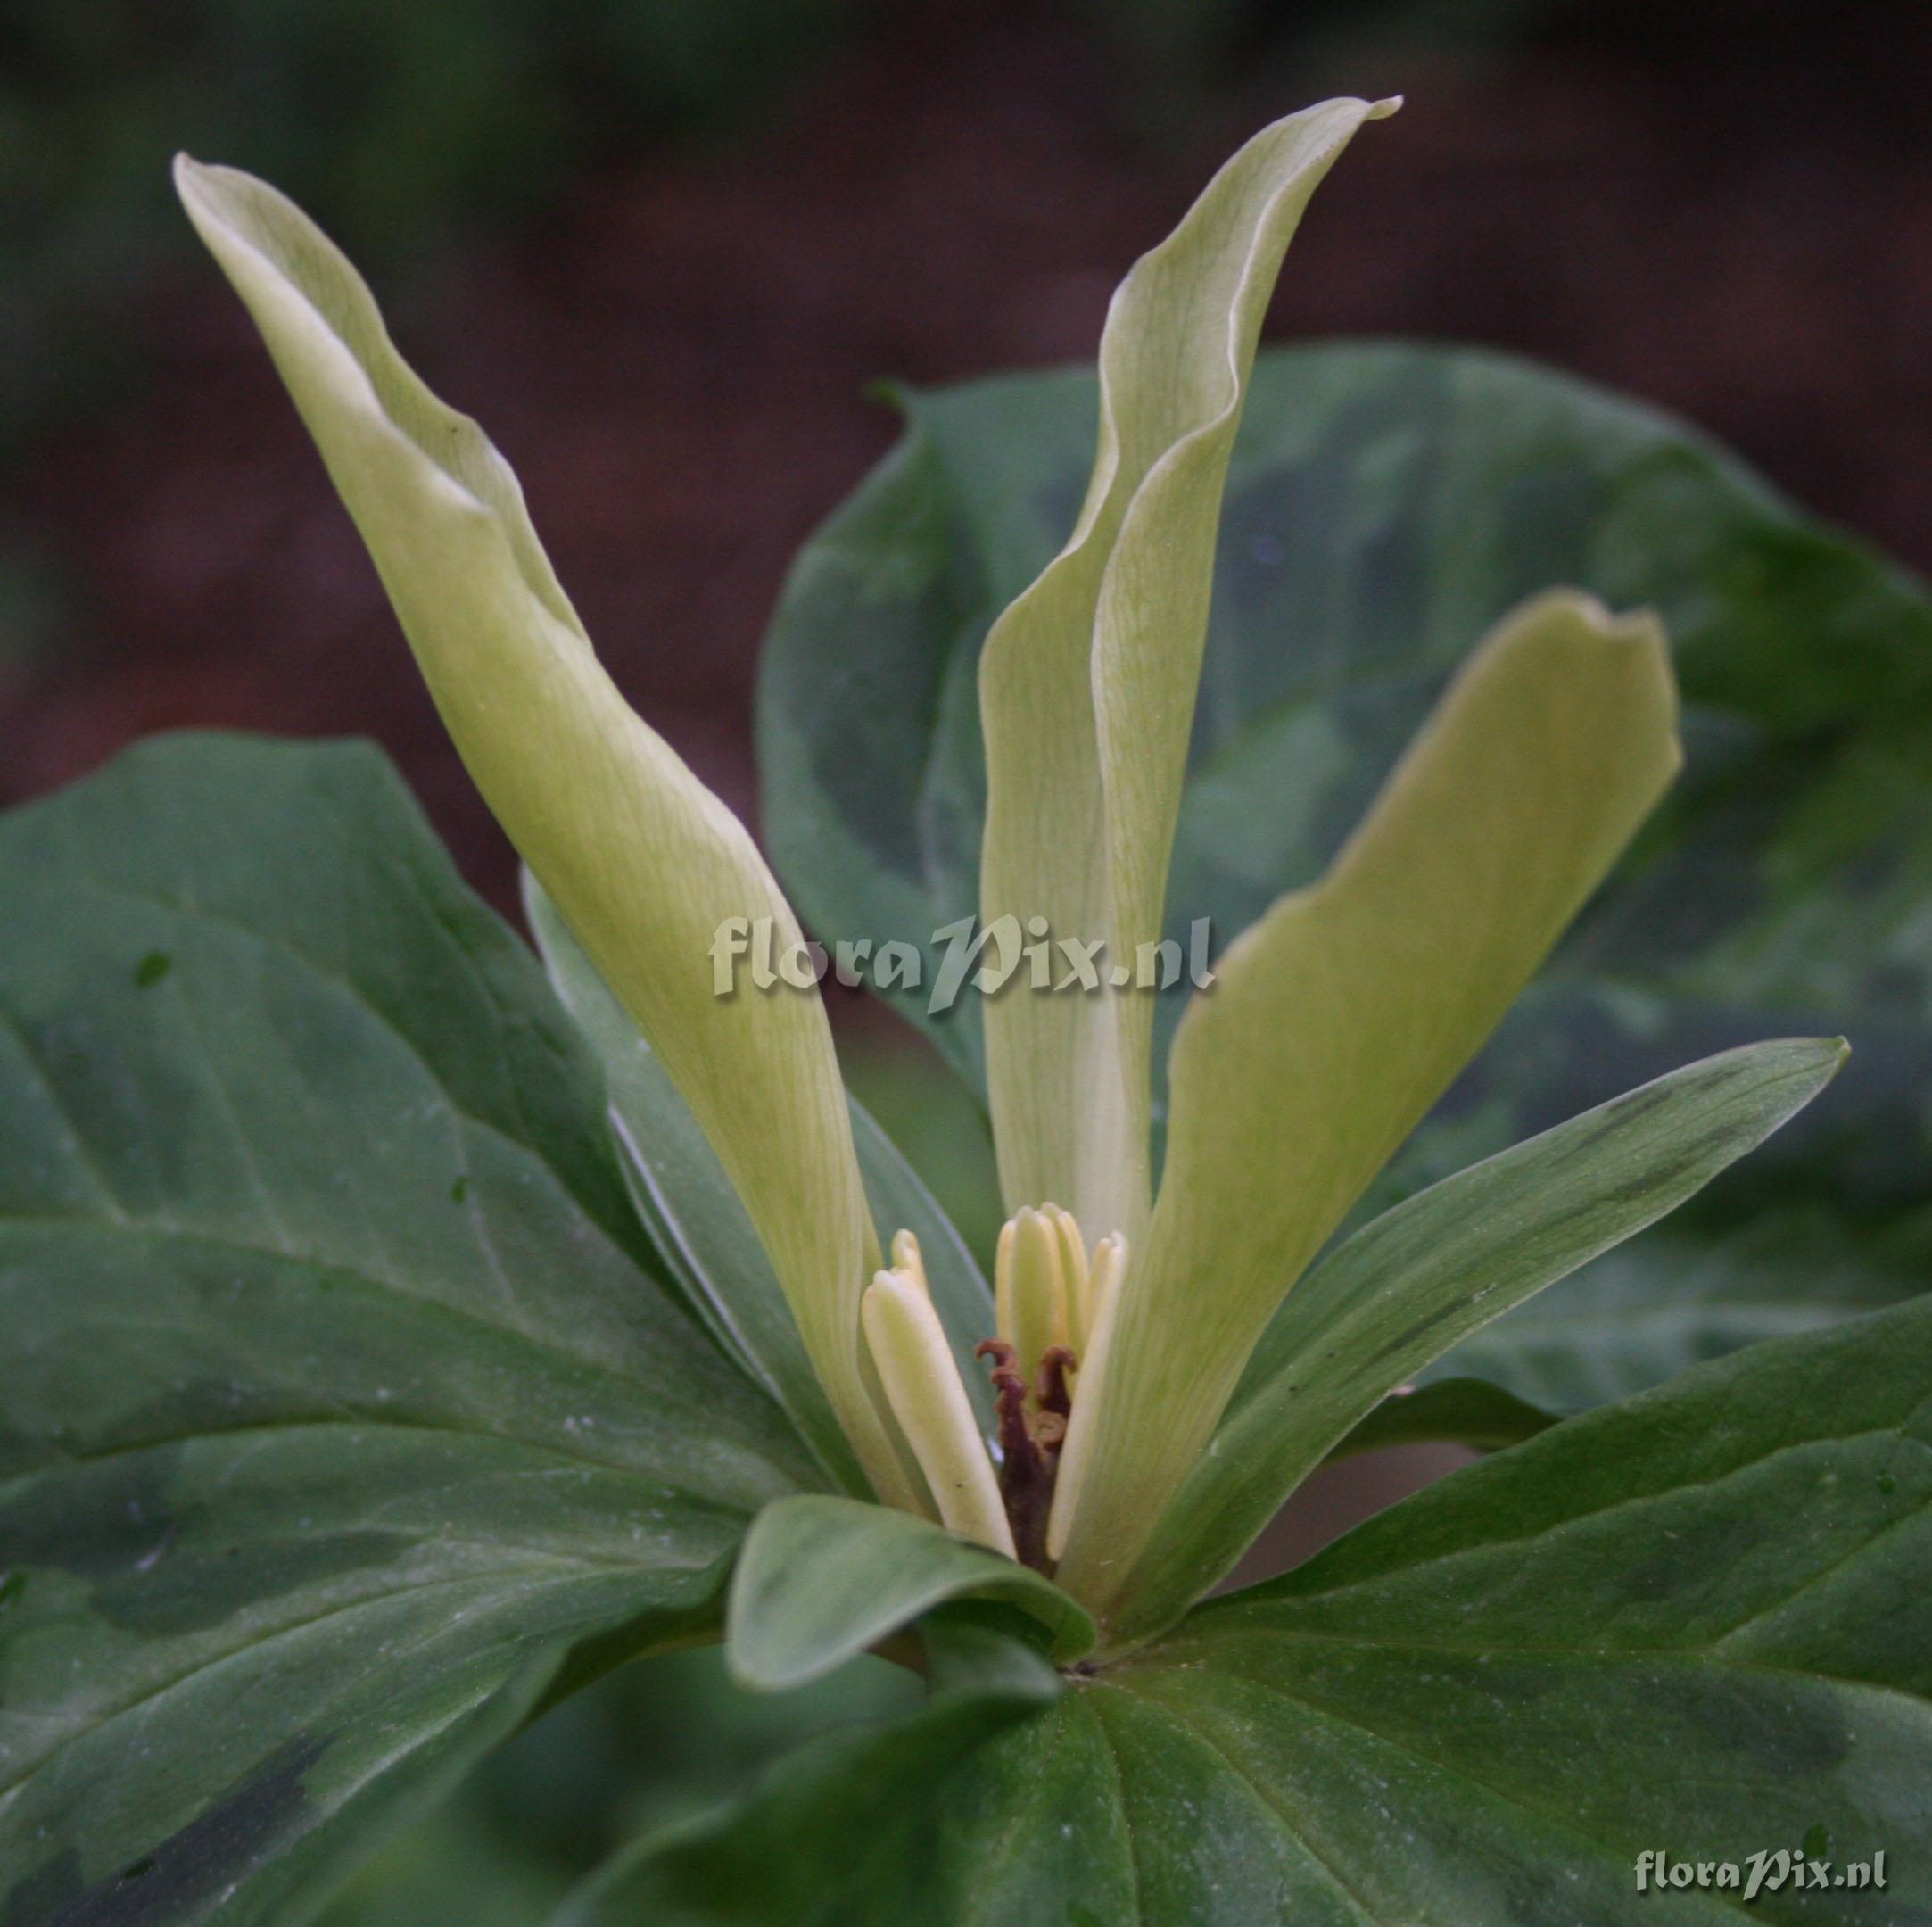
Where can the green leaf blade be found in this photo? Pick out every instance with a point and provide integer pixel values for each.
(839, 1804)
(1386, 503)
(1696, 1622)
(344, 1399)
(821, 1579)
(1692, 1291)
(1404, 1289)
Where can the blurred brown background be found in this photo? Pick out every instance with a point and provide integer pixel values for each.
(661, 249)
(665, 292)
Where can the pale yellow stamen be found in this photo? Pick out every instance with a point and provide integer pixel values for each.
(1049, 1292)
(923, 1386)
(906, 1257)
(1073, 1268)
(1030, 1294)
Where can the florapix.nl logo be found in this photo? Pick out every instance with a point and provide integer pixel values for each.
(985, 957)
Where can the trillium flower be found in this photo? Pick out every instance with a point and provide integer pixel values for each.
(1128, 1300)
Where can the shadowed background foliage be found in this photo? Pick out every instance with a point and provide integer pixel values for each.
(661, 247)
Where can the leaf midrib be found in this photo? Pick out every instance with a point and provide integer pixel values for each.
(350, 1420)
(1513, 1802)
(1309, 1853)
(11, 1790)
(651, 1397)
(1219, 1608)
(1161, 1660)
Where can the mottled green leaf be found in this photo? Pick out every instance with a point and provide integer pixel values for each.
(1386, 504)
(819, 1580)
(1697, 1623)
(342, 1394)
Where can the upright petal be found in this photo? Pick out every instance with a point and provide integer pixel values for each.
(1086, 685)
(644, 862)
(1335, 1023)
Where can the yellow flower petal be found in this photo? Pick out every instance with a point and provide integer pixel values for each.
(1086, 684)
(644, 862)
(1337, 1020)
